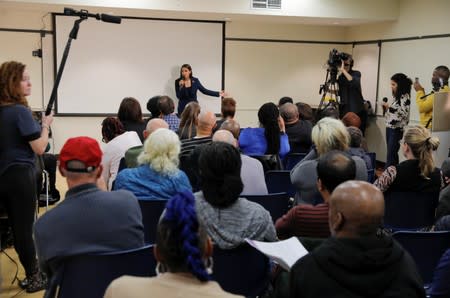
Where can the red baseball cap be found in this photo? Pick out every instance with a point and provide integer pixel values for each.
(83, 149)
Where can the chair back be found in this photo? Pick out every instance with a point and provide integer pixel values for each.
(425, 248)
(276, 203)
(373, 159)
(242, 270)
(292, 159)
(409, 210)
(440, 286)
(88, 276)
(270, 162)
(151, 212)
(279, 181)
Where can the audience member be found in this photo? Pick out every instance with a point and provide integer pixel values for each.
(88, 220)
(232, 126)
(358, 260)
(252, 172)
(356, 138)
(228, 219)
(443, 208)
(157, 176)
(118, 141)
(132, 153)
(333, 168)
(182, 250)
(228, 109)
(271, 138)
(440, 287)
(167, 108)
(305, 112)
(130, 114)
(351, 119)
(206, 124)
(442, 224)
(285, 99)
(417, 172)
(153, 107)
(189, 121)
(397, 116)
(328, 134)
(298, 130)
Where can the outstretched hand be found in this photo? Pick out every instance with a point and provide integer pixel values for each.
(418, 87)
(223, 93)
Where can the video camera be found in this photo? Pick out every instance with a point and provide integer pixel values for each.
(334, 61)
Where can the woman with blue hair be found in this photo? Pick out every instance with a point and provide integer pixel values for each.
(182, 250)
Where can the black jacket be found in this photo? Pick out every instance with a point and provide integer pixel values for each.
(360, 267)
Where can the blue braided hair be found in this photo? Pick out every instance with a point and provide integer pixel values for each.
(178, 236)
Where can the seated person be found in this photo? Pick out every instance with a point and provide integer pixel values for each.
(252, 172)
(328, 134)
(205, 127)
(228, 110)
(443, 208)
(228, 219)
(117, 142)
(358, 260)
(270, 138)
(298, 130)
(132, 154)
(182, 250)
(355, 149)
(189, 121)
(167, 108)
(157, 176)
(89, 220)
(232, 126)
(305, 112)
(285, 99)
(417, 172)
(440, 287)
(333, 168)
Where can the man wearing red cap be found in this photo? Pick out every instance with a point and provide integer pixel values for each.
(89, 220)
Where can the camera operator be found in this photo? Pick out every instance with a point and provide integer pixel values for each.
(349, 82)
(439, 80)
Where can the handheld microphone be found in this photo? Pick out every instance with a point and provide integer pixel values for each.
(84, 14)
(385, 100)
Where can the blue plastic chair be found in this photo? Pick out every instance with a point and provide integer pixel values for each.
(292, 159)
(425, 248)
(88, 276)
(242, 270)
(409, 210)
(276, 203)
(440, 285)
(151, 212)
(279, 181)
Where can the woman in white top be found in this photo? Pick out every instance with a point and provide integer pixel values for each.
(182, 247)
(118, 141)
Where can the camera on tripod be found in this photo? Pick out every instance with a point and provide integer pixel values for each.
(334, 61)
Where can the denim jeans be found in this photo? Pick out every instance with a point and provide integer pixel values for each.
(393, 137)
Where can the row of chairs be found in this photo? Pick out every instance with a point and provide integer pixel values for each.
(242, 271)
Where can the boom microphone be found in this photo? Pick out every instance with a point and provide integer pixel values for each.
(84, 14)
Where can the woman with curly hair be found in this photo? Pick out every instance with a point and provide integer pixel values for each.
(22, 138)
(182, 250)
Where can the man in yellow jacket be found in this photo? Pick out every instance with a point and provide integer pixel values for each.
(424, 102)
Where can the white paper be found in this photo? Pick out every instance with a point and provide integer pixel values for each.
(285, 252)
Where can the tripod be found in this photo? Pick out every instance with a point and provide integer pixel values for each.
(330, 95)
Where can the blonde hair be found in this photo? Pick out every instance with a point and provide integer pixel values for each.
(161, 150)
(419, 139)
(330, 134)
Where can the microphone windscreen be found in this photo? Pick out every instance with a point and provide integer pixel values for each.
(111, 19)
(385, 99)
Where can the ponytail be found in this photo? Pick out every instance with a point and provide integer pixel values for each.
(180, 212)
(268, 116)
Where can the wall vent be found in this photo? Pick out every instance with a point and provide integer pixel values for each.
(266, 4)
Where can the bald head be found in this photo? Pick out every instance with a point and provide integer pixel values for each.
(289, 112)
(153, 125)
(356, 209)
(206, 122)
(224, 136)
(232, 126)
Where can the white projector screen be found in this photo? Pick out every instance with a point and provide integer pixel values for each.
(138, 58)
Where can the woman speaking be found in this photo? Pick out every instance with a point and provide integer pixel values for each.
(186, 88)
